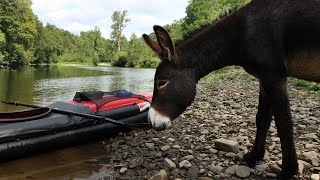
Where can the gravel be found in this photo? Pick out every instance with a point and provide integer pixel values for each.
(224, 109)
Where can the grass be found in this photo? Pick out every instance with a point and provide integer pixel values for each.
(228, 73)
(311, 86)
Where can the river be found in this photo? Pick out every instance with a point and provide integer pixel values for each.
(46, 85)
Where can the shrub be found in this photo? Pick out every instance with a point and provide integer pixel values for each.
(120, 59)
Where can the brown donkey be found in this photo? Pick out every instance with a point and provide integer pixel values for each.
(270, 39)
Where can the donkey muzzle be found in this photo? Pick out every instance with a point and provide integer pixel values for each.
(158, 121)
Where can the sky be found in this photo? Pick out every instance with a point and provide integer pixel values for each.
(76, 16)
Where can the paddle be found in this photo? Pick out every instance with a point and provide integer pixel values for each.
(89, 116)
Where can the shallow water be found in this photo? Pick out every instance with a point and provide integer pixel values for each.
(45, 85)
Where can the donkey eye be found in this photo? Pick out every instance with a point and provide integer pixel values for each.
(161, 83)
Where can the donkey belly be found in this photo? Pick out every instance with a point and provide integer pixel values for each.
(305, 64)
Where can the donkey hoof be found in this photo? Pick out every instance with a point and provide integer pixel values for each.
(249, 159)
(284, 176)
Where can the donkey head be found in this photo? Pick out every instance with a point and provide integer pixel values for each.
(174, 83)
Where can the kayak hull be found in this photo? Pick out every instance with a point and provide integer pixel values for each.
(20, 137)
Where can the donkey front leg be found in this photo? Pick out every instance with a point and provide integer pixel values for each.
(263, 120)
(276, 88)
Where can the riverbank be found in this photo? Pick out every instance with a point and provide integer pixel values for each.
(225, 107)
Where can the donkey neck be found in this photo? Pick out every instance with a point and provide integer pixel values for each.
(217, 46)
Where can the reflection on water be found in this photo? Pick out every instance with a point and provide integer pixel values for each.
(45, 85)
(78, 161)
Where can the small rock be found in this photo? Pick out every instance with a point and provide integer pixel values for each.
(230, 154)
(216, 169)
(303, 165)
(311, 156)
(193, 172)
(261, 167)
(155, 139)
(176, 146)
(123, 170)
(231, 170)
(272, 130)
(188, 157)
(162, 175)
(315, 177)
(275, 168)
(171, 140)
(190, 151)
(205, 178)
(170, 164)
(309, 146)
(202, 171)
(311, 136)
(185, 164)
(135, 162)
(159, 154)
(165, 148)
(243, 171)
(312, 129)
(150, 146)
(272, 175)
(204, 132)
(213, 151)
(227, 145)
(239, 156)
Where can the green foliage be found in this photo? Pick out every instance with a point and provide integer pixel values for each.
(312, 86)
(18, 23)
(139, 55)
(24, 39)
(2, 45)
(201, 12)
(120, 59)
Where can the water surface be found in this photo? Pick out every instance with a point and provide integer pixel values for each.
(46, 85)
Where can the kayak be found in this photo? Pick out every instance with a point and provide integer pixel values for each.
(43, 129)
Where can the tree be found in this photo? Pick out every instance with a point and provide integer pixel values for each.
(2, 45)
(139, 54)
(50, 45)
(200, 12)
(120, 21)
(18, 23)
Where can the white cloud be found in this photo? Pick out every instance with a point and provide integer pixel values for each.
(77, 16)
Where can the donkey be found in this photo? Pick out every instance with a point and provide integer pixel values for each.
(271, 40)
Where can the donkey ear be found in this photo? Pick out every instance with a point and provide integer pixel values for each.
(152, 44)
(165, 42)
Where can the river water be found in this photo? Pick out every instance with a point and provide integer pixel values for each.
(46, 85)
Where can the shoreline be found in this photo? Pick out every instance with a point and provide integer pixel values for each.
(225, 107)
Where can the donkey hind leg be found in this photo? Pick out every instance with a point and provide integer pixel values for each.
(277, 89)
(263, 120)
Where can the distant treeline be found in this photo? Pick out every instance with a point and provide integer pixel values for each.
(25, 40)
